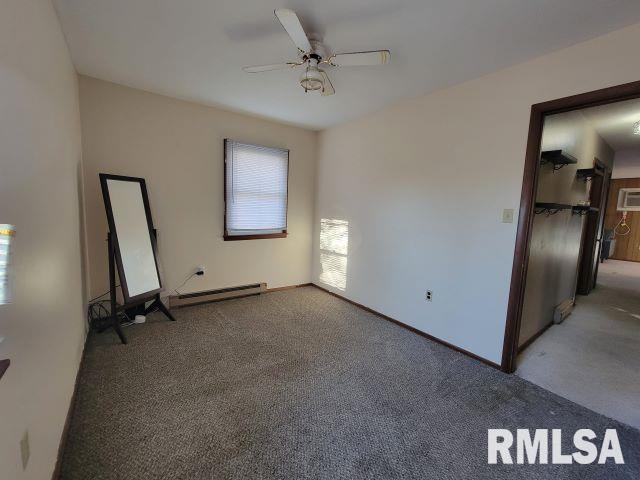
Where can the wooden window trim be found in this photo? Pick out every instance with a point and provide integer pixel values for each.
(257, 236)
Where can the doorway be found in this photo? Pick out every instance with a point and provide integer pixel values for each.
(527, 200)
(573, 320)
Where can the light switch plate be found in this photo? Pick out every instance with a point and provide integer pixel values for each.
(507, 215)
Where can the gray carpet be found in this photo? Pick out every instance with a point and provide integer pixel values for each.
(301, 385)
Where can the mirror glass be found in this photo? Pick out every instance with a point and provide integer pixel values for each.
(132, 230)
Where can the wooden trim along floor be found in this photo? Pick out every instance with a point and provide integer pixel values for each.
(288, 287)
(413, 329)
(67, 421)
(534, 337)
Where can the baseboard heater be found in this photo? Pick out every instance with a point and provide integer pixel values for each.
(216, 295)
(562, 311)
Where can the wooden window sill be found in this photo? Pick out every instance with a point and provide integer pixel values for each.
(255, 237)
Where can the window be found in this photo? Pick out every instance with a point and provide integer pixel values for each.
(6, 233)
(255, 191)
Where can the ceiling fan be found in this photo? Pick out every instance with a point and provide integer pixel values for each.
(312, 55)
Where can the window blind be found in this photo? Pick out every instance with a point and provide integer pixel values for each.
(256, 189)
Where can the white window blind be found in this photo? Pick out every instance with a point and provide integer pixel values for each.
(256, 189)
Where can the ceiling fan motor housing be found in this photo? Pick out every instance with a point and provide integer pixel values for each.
(318, 49)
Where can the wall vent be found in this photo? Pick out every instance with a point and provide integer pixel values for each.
(562, 311)
(216, 295)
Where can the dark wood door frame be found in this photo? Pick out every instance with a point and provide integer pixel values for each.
(591, 243)
(539, 111)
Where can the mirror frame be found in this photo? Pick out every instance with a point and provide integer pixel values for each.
(114, 236)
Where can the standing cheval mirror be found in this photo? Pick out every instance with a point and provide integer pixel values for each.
(132, 246)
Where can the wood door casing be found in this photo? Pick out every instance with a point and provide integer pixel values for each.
(627, 246)
(603, 96)
(591, 243)
(604, 203)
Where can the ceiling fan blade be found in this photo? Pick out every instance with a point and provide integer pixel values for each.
(357, 59)
(292, 25)
(269, 68)
(327, 88)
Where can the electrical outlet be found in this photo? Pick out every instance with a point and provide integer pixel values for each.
(428, 296)
(200, 270)
(24, 449)
(507, 215)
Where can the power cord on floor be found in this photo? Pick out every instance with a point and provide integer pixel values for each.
(102, 295)
(99, 316)
(185, 282)
(96, 313)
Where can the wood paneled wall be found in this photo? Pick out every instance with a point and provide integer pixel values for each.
(628, 246)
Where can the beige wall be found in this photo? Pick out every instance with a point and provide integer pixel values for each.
(555, 240)
(39, 194)
(177, 147)
(423, 184)
(627, 163)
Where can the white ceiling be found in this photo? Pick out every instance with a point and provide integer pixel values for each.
(194, 49)
(614, 123)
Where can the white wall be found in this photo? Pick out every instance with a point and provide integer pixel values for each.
(39, 194)
(555, 240)
(423, 183)
(626, 164)
(177, 147)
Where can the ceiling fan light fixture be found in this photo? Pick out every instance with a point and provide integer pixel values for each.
(312, 79)
(311, 53)
(636, 128)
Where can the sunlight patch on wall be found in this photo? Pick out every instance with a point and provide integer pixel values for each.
(334, 246)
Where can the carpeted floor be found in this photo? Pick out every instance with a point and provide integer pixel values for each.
(301, 385)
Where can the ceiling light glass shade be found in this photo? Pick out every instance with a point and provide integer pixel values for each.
(312, 79)
(636, 128)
